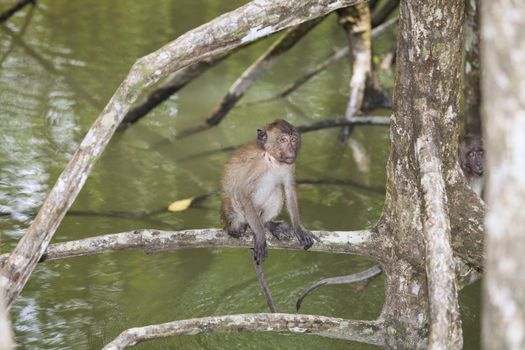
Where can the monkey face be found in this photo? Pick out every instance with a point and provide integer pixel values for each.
(475, 161)
(281, 139)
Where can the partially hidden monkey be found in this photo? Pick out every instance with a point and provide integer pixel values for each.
(471, 160)
(257, 179)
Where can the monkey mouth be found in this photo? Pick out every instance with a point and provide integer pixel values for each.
(289, 160)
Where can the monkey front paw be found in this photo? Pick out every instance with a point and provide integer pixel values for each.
(280, 229)
(306, 238)
(259, 251)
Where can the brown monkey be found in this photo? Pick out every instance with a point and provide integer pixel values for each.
(471, 160)
(256, 180)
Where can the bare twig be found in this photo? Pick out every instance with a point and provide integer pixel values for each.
(356, 277)
(20, 34)
(17, 7)
(217, 37)
(345, 242)
(370, 332)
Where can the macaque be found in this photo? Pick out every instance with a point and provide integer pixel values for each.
(257, 178)
(471, 160)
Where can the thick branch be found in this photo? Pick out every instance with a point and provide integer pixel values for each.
(445, 326)
(350, 242)
(370, 332)
(239, 27)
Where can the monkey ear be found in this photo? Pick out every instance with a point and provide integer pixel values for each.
(261, 137)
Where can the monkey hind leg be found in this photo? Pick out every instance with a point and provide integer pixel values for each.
(280, 229)
(233, 222)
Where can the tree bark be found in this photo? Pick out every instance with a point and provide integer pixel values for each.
(239, 27)
(425, 115)
(504, 123)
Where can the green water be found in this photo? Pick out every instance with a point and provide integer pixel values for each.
(60, 64)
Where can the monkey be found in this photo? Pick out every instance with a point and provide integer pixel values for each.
(471, 160)
(256, 180)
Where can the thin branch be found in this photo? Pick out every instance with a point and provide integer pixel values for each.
(347, 242)
(17, 7)
(356, 277)
(225, 33)
(384, 11)
(20, 34)
(323, 124)
(370, 332)
(252, 74)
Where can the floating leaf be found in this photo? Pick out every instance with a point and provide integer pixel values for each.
(180, 205)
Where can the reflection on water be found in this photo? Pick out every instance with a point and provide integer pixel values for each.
(55, 77)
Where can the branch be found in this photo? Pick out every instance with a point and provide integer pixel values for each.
(445, 329)
(17, 7)
(323, 124)
(252, 74)
(370, 332)
(225, 33)
(349, 242)
(384, 11)
(356, 277)
(175, 82)
(356, 22)
(335, 57)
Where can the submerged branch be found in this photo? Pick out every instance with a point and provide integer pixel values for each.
(348, 242)
(17, 7)
(370, 332)
(175, 82)
(356, 277)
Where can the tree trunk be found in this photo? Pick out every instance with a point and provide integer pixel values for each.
(425, 116)
(504, 125)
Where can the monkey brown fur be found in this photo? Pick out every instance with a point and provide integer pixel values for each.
(257, 179)
(472, 160)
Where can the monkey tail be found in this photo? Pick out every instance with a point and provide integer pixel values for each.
(264, 285)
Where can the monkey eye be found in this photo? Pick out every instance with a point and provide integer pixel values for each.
(293, 138)
(283, 139)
